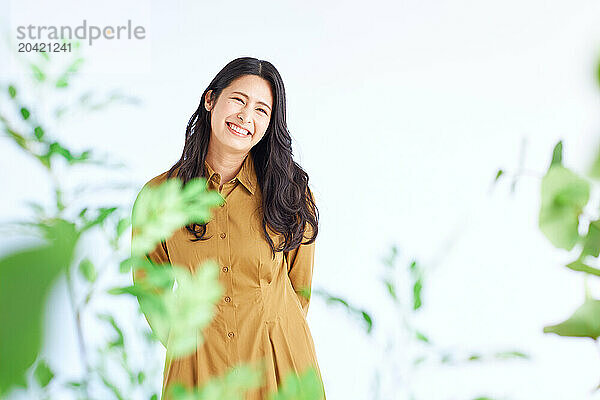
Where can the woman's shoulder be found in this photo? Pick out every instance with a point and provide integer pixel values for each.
(160, 178)
(157, 180)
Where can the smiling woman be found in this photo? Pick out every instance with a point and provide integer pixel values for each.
(263, 237)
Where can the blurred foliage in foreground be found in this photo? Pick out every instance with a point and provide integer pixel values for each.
(571, 221)
(563, 212)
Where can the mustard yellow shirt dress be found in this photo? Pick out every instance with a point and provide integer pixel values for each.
(262, 313)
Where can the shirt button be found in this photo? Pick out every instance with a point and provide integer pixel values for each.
(230, 334)
(225, 269)
(223, 235)
(228, 299)
(223, 205)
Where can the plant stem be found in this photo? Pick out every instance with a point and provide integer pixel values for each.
(75, 308)
(79, 329)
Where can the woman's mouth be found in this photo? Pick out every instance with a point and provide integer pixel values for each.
(237, 130)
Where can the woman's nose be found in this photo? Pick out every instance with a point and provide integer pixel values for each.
(243, 117)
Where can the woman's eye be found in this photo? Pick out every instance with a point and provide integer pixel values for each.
(263, 111)
(237, 98)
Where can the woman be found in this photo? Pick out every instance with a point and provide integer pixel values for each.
(262, 237)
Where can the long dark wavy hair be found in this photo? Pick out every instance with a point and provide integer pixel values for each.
(287, 202)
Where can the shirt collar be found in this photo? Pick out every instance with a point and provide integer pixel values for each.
(246, 174)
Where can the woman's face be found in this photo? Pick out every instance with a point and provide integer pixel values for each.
(245, 105)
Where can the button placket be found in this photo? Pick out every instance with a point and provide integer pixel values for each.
(229, 307)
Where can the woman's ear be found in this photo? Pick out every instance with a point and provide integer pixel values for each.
(207, 102)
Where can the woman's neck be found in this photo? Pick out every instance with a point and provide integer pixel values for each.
(226, 165)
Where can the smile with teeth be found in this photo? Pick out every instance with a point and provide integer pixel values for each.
(237, 130)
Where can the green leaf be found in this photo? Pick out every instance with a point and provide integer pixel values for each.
(306, 386)
(60, 206)
(417, 294)
(125, 265)
(420, 336)
(563, 196)
(57, 148)
(12, 92)
(191, 306)
(498, 175)
(585, 322)
(26, 278)
(557, 154)
(38, 74)
(43, 374)
(62, 82)
(39, 132)
(591, 245)
(45, 160)
(160, 210)
(233, 385)
(87, 270)
(122, 225)
(305, 291)
(25, 113)
(580, 266)
(511, 354)
(133, 290)
(413, 266)
(391, 289)
(368, 320)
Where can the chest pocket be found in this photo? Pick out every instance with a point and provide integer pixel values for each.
(268, 267)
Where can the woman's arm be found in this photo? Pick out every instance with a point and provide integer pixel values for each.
(300, 271)
(300, 263)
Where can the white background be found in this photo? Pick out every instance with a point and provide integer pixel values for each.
(401, 113)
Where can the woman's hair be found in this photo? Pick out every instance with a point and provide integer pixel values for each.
(287, 202)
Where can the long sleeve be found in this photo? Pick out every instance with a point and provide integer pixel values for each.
(300, 271)
(300, 263)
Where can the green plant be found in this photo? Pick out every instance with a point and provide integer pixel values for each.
(407, 347)
(569, 220)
